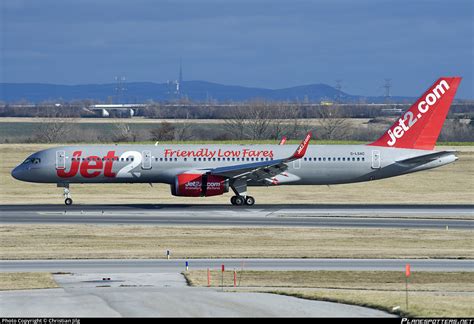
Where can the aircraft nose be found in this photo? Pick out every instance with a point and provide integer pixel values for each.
(18, 173)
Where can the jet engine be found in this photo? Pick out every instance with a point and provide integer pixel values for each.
(199, 185)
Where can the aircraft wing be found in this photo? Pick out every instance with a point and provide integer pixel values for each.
(262, 170)
(425, 158)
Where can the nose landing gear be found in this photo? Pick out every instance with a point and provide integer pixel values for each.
(68, 201)
(67, 194)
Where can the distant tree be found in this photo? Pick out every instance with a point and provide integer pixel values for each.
(53, 130)
(165, 132)
(332, 125)
(123, 132)
(263, 120)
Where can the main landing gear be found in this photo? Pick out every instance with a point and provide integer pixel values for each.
(67, 194)
(239, 187)
(242, 200)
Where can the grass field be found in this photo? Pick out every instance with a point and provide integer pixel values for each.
(141, 241)
(26, 280)
(450, 184)
(431, 294)
(97, 130)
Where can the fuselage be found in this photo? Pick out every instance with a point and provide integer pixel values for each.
(321, 165)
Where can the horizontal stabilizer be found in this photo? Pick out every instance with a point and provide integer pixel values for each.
(426, 158)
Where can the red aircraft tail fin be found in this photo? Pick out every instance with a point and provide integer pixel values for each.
(419, 127)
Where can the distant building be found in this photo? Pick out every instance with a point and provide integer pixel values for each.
(104, 108)
(326, 103)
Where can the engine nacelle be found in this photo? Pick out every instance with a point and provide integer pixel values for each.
(199, 185)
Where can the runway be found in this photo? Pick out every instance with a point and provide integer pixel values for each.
(359, 216)
(160, 265)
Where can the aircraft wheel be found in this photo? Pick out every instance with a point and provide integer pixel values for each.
(232, 200)
(239, 200)
(249, 201)
(68, 201)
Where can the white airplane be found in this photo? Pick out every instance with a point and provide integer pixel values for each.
(210, 170)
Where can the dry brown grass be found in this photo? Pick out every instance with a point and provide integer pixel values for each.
(143, 241)
(430, 293)
(363, 280)
(451, 184)
(421, 304)
(26, 280)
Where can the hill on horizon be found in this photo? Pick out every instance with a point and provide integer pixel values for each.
(198, 91)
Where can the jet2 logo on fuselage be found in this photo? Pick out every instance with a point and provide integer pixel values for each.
(92, 166)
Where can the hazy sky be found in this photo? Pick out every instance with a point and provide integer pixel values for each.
(272, 44)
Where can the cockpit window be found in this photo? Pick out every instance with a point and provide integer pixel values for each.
(32, 160)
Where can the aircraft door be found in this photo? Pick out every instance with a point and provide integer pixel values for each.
(60, 160)
(146, 160)
(375, 159)
(297, 164)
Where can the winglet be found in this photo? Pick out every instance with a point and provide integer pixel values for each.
(283, 140)
(301, 150)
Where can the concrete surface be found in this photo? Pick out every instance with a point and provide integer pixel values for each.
(165, 266)
(360, 216)
(159, 294)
